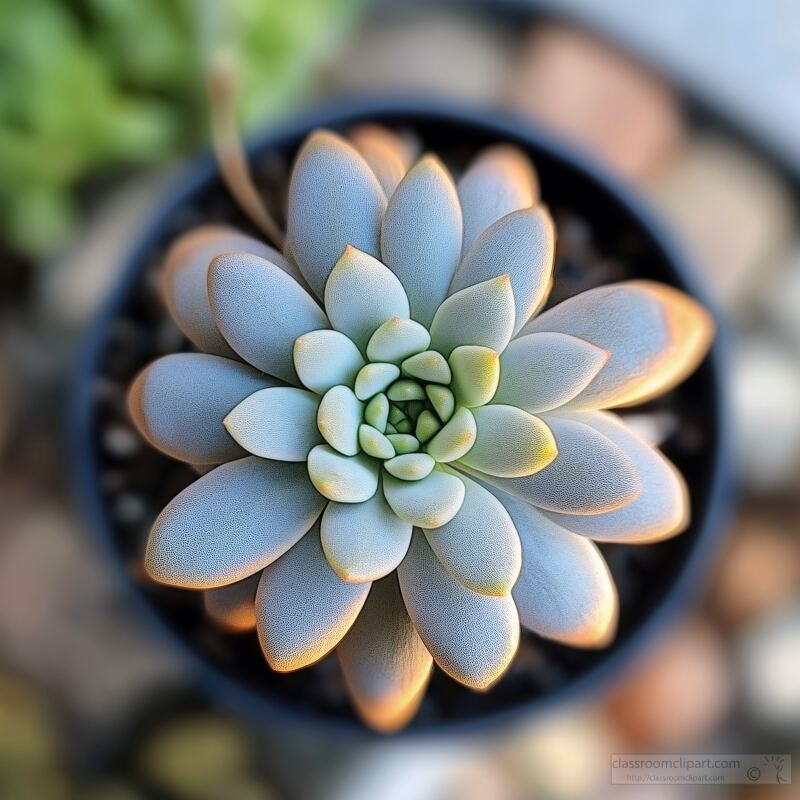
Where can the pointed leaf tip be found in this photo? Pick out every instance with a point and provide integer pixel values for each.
(277, 423)
(476, 374)
(482, 315)
(397, 339)
(361, 294)
(421, 235)
(334, 200)
(324, 359)
(510, 443)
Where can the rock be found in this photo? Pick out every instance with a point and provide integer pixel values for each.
(63, 620)
(563, 756)
(733, 214)
(765, 395)
(591, 93)
(423, 771)
(759, 573)
(72, 287)
(121, 442)
(443, 52)
(781, 300)
(203, 757)
(30, 757)
(769, 655)
(678, 694)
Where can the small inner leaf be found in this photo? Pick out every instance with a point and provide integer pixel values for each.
(324, 359)
(396, 414)
(410, 466)
(482, 314)
(339, 415)
(429, 366)
(414, 408)
(374, 443)
(403, 443)
(374, 378)
(428, 503)
(405, 389)
(455, 439)
(377, 412)
(510, 443)
(345, 479)
(360, 294)
(428, 425)
(442, 400)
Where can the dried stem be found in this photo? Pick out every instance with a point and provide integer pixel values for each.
(223, 89)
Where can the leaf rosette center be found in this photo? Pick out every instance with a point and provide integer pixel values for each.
(404, 408)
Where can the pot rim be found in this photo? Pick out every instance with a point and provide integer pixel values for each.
(263, 709)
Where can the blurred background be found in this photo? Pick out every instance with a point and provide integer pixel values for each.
(101, 101)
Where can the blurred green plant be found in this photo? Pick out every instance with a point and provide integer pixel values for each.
(94, 85)
(30, 761)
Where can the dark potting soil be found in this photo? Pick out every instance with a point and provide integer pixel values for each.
(599, 241)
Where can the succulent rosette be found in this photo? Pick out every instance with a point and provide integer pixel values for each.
(404, 460)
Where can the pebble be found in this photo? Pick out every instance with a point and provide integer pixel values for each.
(594, 95)
(563, 756)
(732, 214)
(121, 442)
(65, 624)
(781, 300)
(759, 573)
(129, 509)
(72, 287)
(769, 656)
(433, 770)
(678, 694)
(765, 395)
(201, 756)
(452, 53)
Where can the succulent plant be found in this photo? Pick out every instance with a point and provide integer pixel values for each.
(405, 460)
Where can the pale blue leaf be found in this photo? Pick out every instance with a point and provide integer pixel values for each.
(421, 236)
(261, 311)
(473, 637)
(335, 200)
(303, 608)
(231, 523)
(178, 404)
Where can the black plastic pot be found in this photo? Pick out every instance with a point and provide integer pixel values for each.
(604, 235)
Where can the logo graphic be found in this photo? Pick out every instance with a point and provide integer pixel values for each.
(777, 763)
